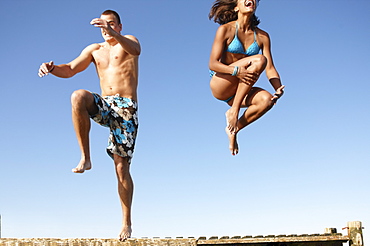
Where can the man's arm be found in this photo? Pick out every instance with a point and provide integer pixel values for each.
(128, 42)
(70, 69)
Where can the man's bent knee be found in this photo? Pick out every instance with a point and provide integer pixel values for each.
(82, 99)
(79, 96)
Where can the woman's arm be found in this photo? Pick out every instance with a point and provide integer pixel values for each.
(217, 51)
(271, 72)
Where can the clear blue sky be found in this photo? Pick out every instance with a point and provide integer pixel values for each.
(301, 168)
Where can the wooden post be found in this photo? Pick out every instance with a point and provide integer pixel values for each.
(330, 230)
(355, 233)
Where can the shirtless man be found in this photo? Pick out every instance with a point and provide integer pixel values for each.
(116, 61)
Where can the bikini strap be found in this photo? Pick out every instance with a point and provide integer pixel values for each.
(236, 28)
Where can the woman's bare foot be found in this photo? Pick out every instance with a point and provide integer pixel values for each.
(233, 144)
(82, 166)
(125, 233)
(232, 120)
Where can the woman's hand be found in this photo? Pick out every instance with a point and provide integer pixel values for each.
(246, 76)
(279, 93)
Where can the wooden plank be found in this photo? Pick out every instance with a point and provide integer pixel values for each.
(276, 239)
(96, 242)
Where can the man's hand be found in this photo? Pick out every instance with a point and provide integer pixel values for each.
(46, 68)
(247, 77)
(97, 22)
(279, 93)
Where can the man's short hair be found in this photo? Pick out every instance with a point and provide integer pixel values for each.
(108, 12)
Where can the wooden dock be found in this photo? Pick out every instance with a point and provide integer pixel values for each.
(329, 238)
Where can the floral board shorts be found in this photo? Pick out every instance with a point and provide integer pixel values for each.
(120, 115)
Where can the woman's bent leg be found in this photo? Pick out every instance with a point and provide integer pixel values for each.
(257, 65)
(224, 86)
(258, 104)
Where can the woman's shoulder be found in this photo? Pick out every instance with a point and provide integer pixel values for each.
(262, 34)
(226, 28)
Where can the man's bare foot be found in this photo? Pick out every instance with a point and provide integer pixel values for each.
(82, 167)
(125, 233)
(233, 144)
(232, 120)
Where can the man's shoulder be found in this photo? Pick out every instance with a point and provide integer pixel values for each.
(90, 49)
(130, 36)
(94, 46)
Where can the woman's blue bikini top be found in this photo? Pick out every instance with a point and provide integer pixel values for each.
(236, 47)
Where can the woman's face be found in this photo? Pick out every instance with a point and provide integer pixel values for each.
(246, 6)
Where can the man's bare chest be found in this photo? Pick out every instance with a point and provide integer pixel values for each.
(109, 57)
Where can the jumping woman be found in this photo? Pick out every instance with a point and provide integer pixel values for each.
(236, 63)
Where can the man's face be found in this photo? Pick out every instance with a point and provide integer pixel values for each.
(112, 21)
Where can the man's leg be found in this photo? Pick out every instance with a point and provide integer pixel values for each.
(82, 107)
(125, 191)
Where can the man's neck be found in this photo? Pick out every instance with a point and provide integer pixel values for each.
(112, 42)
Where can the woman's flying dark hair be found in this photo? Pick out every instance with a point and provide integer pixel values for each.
(222, 12)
